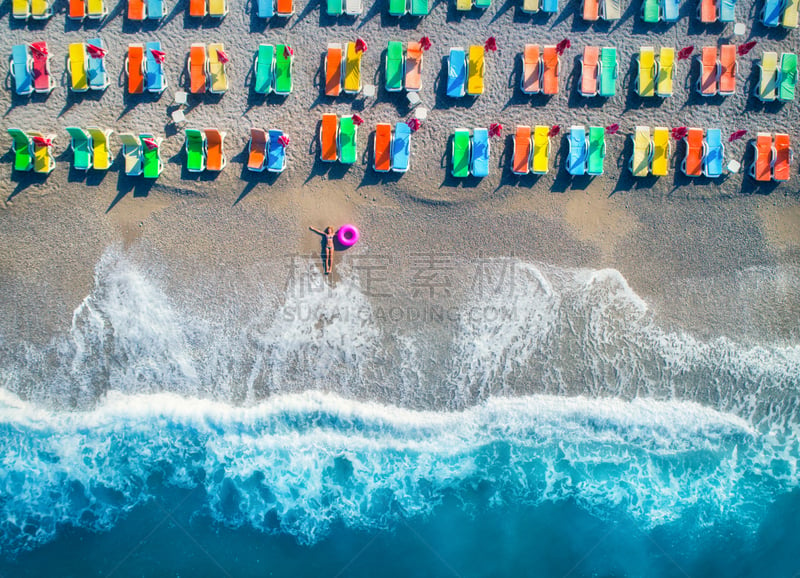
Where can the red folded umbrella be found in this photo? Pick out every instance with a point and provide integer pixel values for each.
(746, 47)
(357, 120)
(223, 58)
(491, 44)
(40, 47)
(685, 53)
(736, 135)
(288, 51)
(414, 124)
(425, 43)
(150, 143)
(679, 132)
(284, 140)
(42, 142)
(361, 45)
(95, 51)
(612, 128)
(562, 46)
(159, 55)
(554, 130)
(495, 129)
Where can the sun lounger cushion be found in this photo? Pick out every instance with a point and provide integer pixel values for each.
(154, 70)
(727, 69)
(21, 69)
(151, 157)
(531, 81)
(550, 70)
(589, 67)
(660, 164)
(96, 9)
(479, 164)
(714, 153)
(651, 11)
(645, 86)
(771, 14)
(401, 147)
(666, 71)
(197, 8)
(727, 11)
(195, 146)
(348, 132)
(708, 85)
(135, 69)
(42, 81)
(540, 163)
(419, 8)
(521, 160)
(264, 64)
(257, 150)
(383, 147)
(790, 14)
(43, 161)
(41, 9)
(576, 161)
(276, 153)
(23, 150)
(611, 9)
(640, 161)
(155, 9)
(353, 7)
(79, 80)
(596, 154)
(132, 153)
(788, 77)
(333, 70)
(352, 69)
(397, 7)
(215, 149)
(531, 6)
(81, 146)
(767, 88)
(137, 10)
(394, 66)
(693, 161)
(456, 73)
(550, 6)
(475, 70)
(283, 69)
(670, 10)
(265, 8)
(96, 67)
(101, 151)
(460, 153)
(329, 137)
(413, 66)
(591, 10)
(217, 69)
(21, 9)
(781, 168)
(284, 7)
(608, 71)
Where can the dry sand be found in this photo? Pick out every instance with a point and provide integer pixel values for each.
(663, 234)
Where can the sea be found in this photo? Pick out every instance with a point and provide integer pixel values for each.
(558, 427)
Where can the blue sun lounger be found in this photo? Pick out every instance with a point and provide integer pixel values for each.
(276, 152)
(550, 6)
(480, 153)
(401, 147)
(154, 70)
(714, 153)
(96, 68)
(21, 70)
(456, 73)
(155, 9)
(576, 162)
(671, 10)
(771, 14)
(265, 8)
(727, 10)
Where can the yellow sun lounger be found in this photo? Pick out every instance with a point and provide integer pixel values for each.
(463, 5)
(77, 66)
(646, 77)
(43, 161)
(475, 69)
(540, 163)
(352, 69)
(21, 9)
(41, 9)
(666, 71)
(640, 160)
(767, 88)
(217, 73)
(790, 14)
(661, 151)
(101, 152)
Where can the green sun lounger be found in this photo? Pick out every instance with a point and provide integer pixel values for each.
(283, 70)
(650, 11)
(347, 140)
(394, 66)
(597, 150)
(788, 77)
(151, 157)
(81, 148)
(397, 7)
(335, 8)
(23, 150)
(195, 150)
(420, 8)
(460, 153)
(482, 3)
(264, 66)
(608, 71)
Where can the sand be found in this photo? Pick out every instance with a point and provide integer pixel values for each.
(663, 234)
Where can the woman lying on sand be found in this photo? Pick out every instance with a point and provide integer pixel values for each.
(328, 234)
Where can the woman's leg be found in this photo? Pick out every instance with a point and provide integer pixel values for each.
(329, 260)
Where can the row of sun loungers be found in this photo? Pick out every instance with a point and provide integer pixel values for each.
(338, 139)
(777, 82)
(780, 12)
(596, 9)
(404, 68)
(655, 77)
(266, 150)
(772, 157)
(270, 8)
(212, 8)
(273, 69)
(139, 10)
(531, 150)
(539, 69)
(469, 153)
(207, 68)
(343, 69)
(339, 7)
(534, 6)
(599, 71)
(465, 73)
(204, 150)
(144, 66)
(466, 5)
(30, 68)
(412, 7)
(86, 66)
(718, 70)
(392, 147)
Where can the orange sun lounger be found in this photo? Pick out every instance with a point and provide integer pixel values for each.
(257, 151)
(137, 10)
(727, 69)
(589, 63)
(413, 66)
(135, 67)
(215, 155)
(783, 157)
(383, 147)
(197, 8)
(550, 73)
(693, 163)
(591, 10)
(761, 169)
(284, 7)
(77, 9)
(531, 70)
(521, 162)
(333, 70)
(328, 137)
(707, 85)
(197, 69)
(708, 11)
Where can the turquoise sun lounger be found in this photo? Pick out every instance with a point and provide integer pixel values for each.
(155, 9)
(771, 13)
(608, 71)
(154, 70)
(81, 145)
(727, 11)
(714, 153)
(264, 69)
(550, 6)
(96, 68)
(671, 10)
(21, 70)
(456, 73)
(265, 8)
(576, 161)
(397, 7)
(401, 147)
(419, 8)
(788, 77)
(276, 152)
(479, 166)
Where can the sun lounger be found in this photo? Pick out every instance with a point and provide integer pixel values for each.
(589, 66)
(197, 68)
(611, 9)
(152, 165)
(43, 160)
(692, 165)
(761, 169)
(21, 9)
(382, 161)
(41, 9)
(198, 8)
(353, 7)
(397, 7)
(20, 69)
(401, 147)
(413, 67)
(76, 10)
(642, 153)
(283, 69)
(550, 6)
(576, 161)
(608, 71)
(329, 138)
(727, 11)
(707, 84)
(284, 8)
(475, 69)
(596, 154)
(456, 73)
(348, 135)
(419, 8)
(137, 10)
(132, 153)
(217, 8)
(550, 70)
(263, 69)
(788, 77)
(481, 148)
(646, 76)
(666, 71)
(531, 6)
(767, 89)
(782, 157)
(155, 9)
(96, 9)
(591, 10)
(76, 64)
(771, 13)
(195, 147)
(352, 69)
(727, 69)
(463, 5)
(707, 11)
(790, 15)
(482, 4)
(333, 70)
(215, 149)
(81, 145)
(670, 10)
(661, 151)
(23, 150)
(521, 159)
(257, 150)
(217, 69)
(531, 81)
(394, 66)
(276, 153)
(155, 80)
(713, 153)
(540, 162)
(651, 11)
(134, 66)
(101, 149)
(460, 153)
(334, 7)
(265, 8)
(96, 65)
(43, 81)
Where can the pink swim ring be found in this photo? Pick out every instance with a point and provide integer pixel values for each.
(347, 235)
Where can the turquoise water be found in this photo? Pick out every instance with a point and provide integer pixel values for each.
(632, 451)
